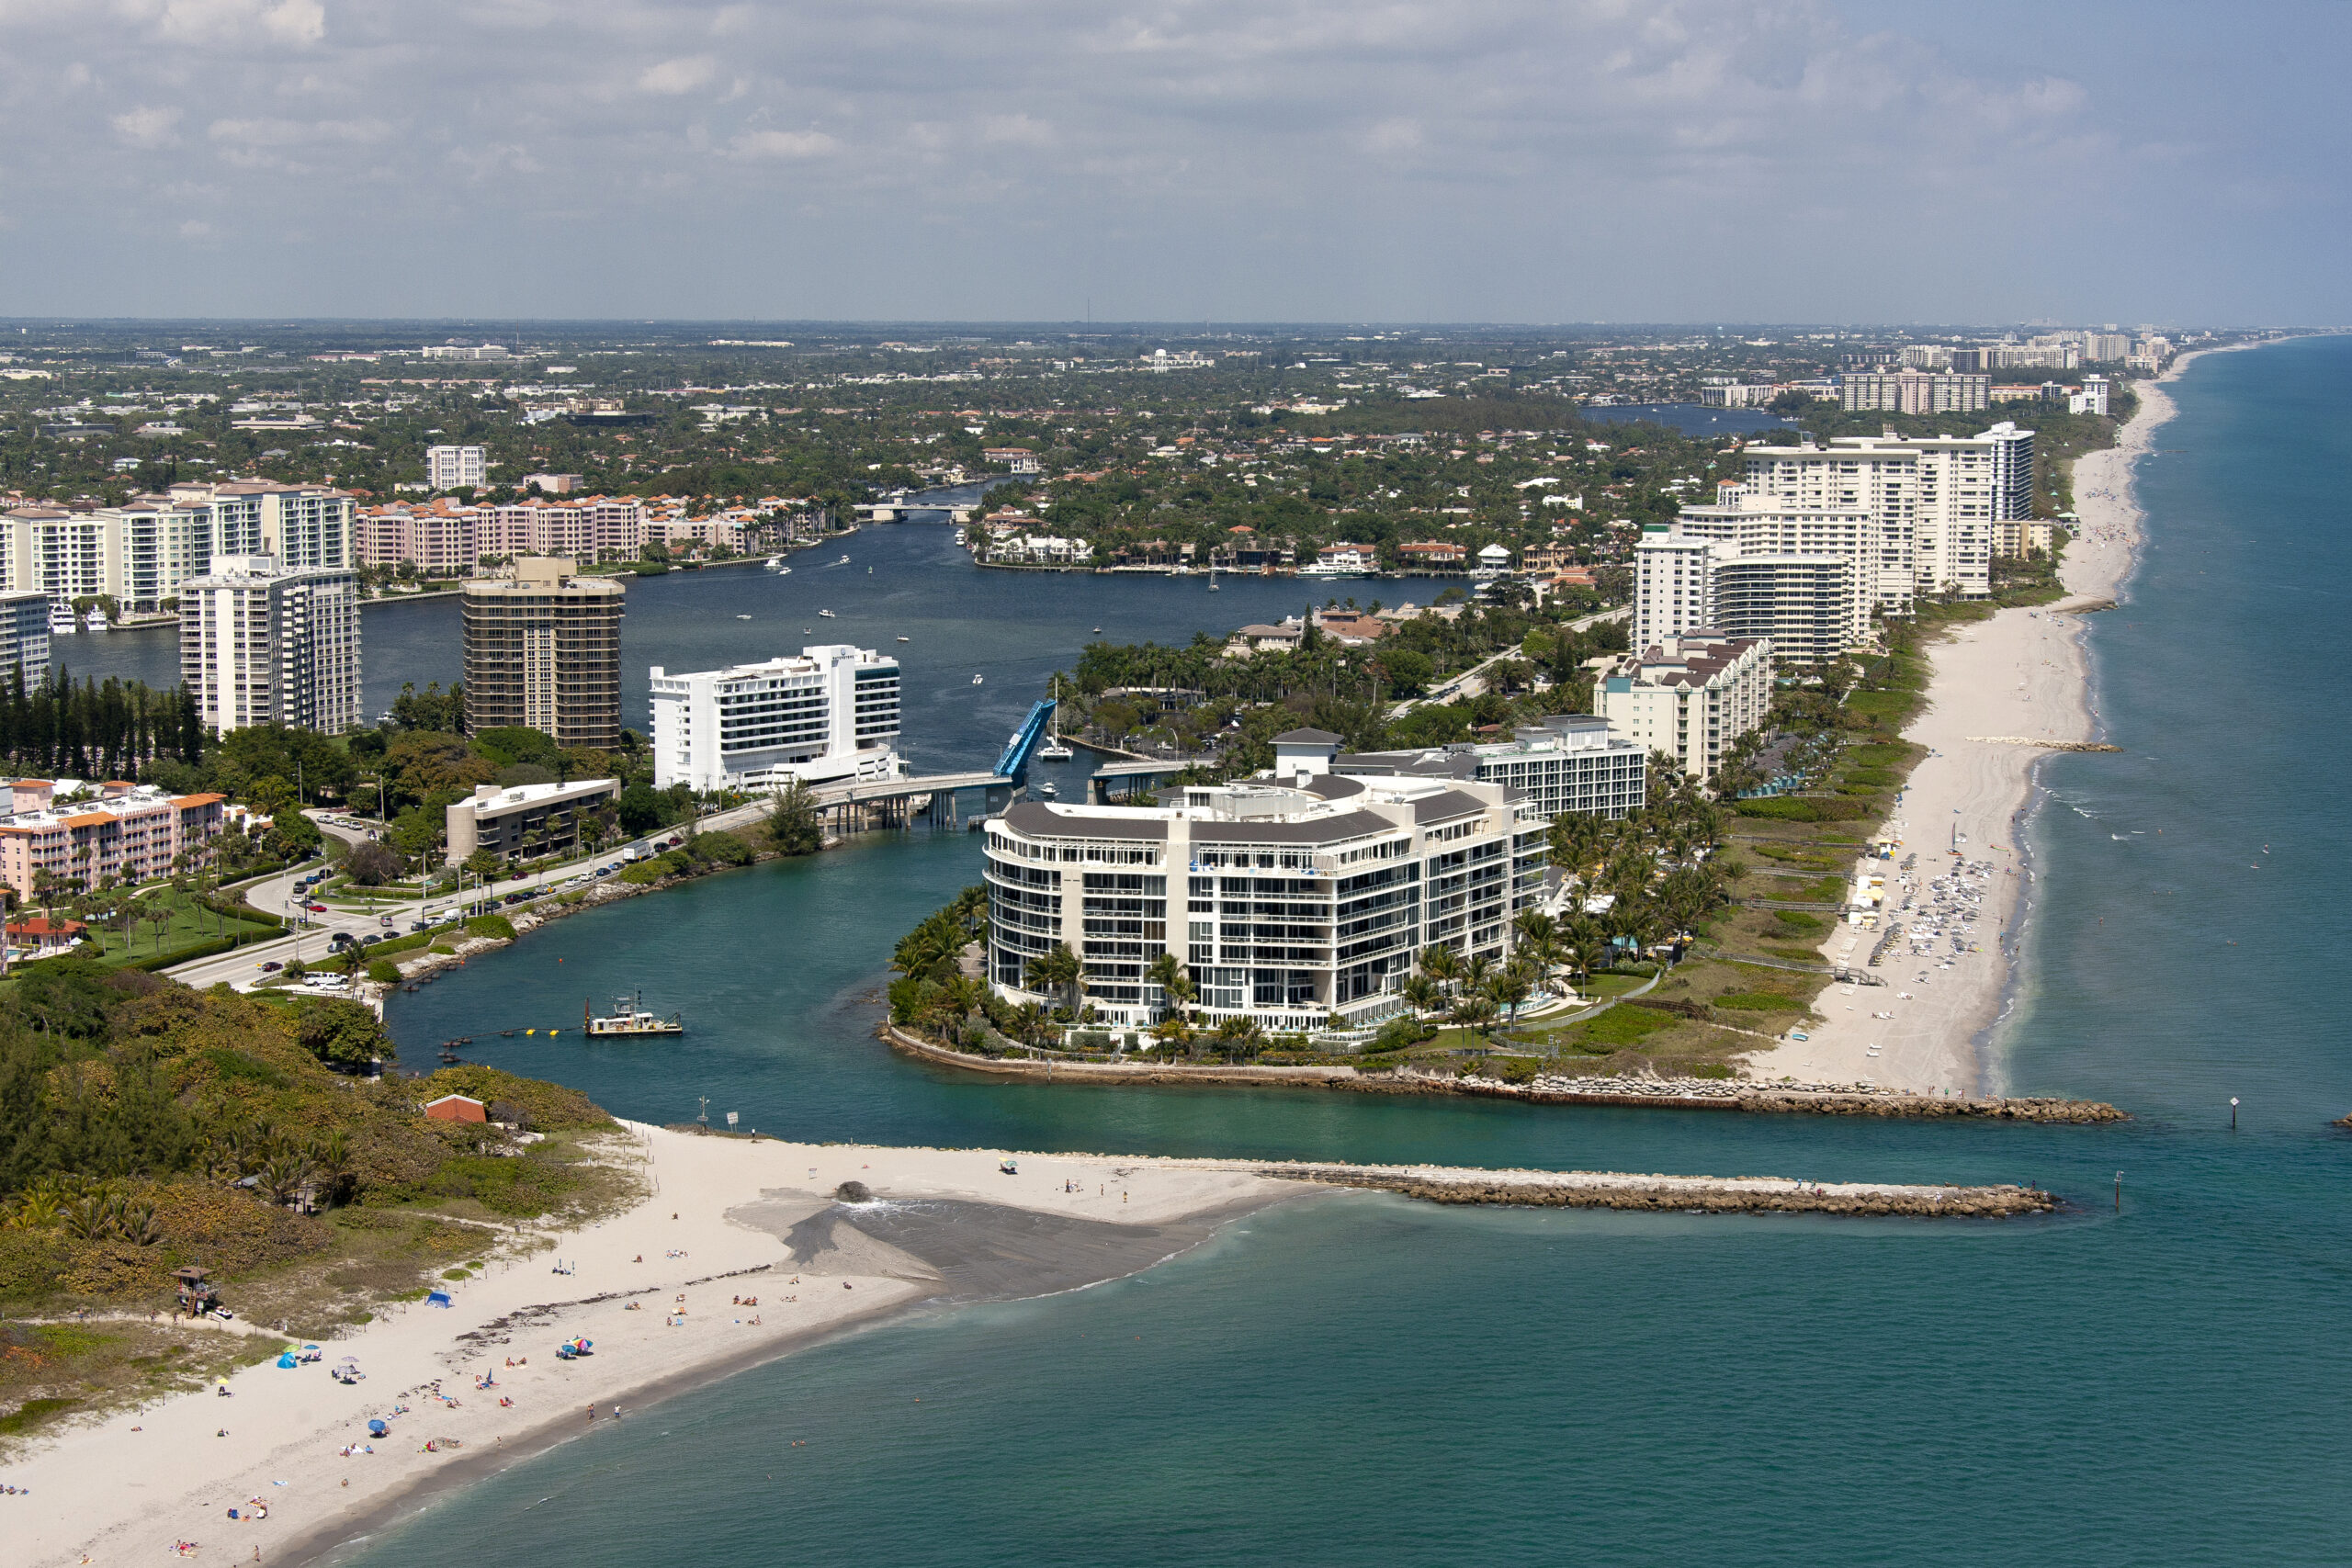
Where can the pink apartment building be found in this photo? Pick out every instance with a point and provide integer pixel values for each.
(130, 834)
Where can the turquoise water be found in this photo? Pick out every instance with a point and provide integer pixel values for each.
(1360, 1380)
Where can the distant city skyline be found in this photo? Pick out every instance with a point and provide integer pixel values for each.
(1816, 161)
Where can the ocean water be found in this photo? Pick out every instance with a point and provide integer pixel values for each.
(1360, 1380)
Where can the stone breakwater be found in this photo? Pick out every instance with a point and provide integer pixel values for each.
(1650, 1091)
(1706, 1194)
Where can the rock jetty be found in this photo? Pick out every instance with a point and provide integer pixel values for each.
(1687, 1194)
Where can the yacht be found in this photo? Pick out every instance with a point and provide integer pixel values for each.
(96, 621)
(776, 563)
(1053, 751)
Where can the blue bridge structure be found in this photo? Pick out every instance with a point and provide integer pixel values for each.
(1015, 764)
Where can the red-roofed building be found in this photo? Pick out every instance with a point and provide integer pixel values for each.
(456, 1108)
(44, 935)
(130, 834)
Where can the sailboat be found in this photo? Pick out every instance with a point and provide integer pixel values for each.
(1053, 751)
(1213, 588)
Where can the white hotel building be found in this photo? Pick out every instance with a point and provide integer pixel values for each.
(826, 713)
(1298, 899)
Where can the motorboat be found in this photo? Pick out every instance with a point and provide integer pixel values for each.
(828, 614)
(906, 639)
(776, 563)
(743, 617)
(1047, 790)
(628, 1018)
(96, 621)
(975, 679)
(843, 561)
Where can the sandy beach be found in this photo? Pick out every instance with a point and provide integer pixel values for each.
(659, 1290)
(1998, 687)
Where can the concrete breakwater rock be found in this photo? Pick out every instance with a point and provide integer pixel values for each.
(1709, 1194)
(1651, 1091)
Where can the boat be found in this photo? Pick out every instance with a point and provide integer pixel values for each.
(904, 639)
(629, 1018)
(96, 621)
(743, 617)
(1053, 751)
(783, 572)
(1098, 631)
(828, 614)
(1046, 789)
(975, 679)
(843, 561)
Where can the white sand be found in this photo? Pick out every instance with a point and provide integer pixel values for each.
(2024, 674)
(127, 1488)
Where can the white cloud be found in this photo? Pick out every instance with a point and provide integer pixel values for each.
(150, 126)
(1168, 148)
(678, 75)
(787, 145)
(1017, 130)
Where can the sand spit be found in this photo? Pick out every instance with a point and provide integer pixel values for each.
(662, 1292)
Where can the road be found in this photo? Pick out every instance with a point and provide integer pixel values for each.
(276, 895)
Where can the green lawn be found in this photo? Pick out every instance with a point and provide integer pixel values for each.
(190, 928)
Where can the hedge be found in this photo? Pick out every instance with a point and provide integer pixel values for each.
(490, 925)
(384, 972)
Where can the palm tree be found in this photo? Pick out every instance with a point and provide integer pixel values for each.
(1236, 1036)
(1166, 972)
(1474, 1012)
(1442, 964)
(1059, 969)
(1512, 985)
(1175, 1029)
(1421, 993)
(1029, 1023)
(332, 1157)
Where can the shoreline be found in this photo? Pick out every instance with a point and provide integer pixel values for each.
(735, 1214)
(2024, 674)
(778, 1219)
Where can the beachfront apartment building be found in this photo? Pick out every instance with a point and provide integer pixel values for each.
(1785, 577)
(1690, 696)
(1296, 899)
(1915, 391)
(1674, 573)
(455, 467)
(826, 713)
(1565, 763)
(1929, 504)
(114, 834)
(1803, 606)
(263, 643)
(543, 648)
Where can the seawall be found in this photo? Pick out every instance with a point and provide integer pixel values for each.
(1674, 1094)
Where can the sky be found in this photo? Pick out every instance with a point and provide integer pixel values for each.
(1451, 161)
